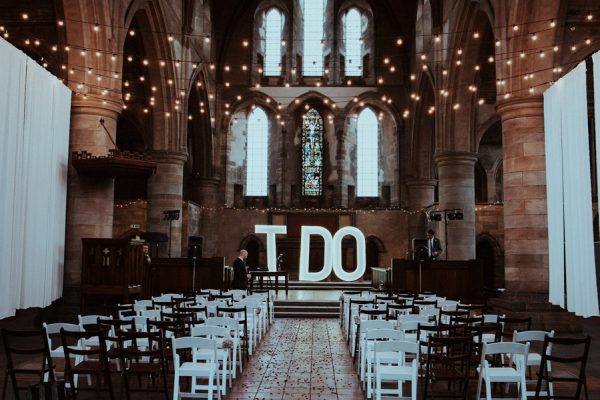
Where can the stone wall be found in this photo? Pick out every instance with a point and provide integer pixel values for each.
(126, 215)
(489, 225)
(389, 227)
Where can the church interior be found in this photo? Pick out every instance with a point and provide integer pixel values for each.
(373, 157)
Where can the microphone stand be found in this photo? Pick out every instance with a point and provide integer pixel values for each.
(194, 275)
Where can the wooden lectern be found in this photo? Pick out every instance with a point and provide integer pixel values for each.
(111, 267)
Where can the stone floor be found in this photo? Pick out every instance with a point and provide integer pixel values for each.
(300, 359)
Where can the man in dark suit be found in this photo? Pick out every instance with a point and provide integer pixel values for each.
(240, 277)
(434, 247)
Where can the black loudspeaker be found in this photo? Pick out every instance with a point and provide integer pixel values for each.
(194, 248)
(420, 251)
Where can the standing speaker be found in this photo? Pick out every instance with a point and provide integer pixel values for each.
(420, 251)
(195, 248)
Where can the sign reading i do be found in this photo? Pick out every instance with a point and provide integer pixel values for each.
(332, 259)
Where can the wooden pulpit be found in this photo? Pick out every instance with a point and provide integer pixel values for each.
(111, 267)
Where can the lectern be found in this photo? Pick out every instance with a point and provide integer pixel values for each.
(111, 267)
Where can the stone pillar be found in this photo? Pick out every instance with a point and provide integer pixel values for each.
(525, 213)
(90, 200)
(420, 195)
(340, 193)
(456, 172)
(165, 192)
(206, 194)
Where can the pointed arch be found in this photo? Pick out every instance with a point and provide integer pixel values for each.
(257, 155)
(273, 28)
(313, 12)
(353, 63)
(367, 154)
(312, 153)
(357, 47)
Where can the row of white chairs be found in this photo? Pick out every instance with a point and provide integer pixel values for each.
(378, 334)
(223, 334)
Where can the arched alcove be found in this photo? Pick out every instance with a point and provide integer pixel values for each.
(491, 255)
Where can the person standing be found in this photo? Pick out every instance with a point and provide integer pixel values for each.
(240, 277)
(434, 247)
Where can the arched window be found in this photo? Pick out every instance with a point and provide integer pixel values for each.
(257, 153)
(354, 43)
(367, 151)
(314, 19)
(273, 42)
(312, 153)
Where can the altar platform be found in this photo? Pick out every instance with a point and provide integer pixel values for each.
(314, 299)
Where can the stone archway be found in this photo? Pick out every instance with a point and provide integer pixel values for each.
(375, 248)
(489, 252)
(256, 250)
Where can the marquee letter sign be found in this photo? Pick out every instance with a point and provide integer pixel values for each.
(332, 257)
(271, 231)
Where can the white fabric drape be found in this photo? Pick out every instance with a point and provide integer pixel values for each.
(554, 191)
(570, 204)
(34, 122)
(582, 295)
(596, 63)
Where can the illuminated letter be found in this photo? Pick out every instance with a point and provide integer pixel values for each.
(305, 275)
(361, 262)
(271, 231)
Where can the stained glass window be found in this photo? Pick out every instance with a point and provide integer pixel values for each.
(367, 152)
(353, 42)
(314, 19)
(312, 153)
(257, 153)
(273, 43)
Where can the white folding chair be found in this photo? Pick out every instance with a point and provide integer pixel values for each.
(503, 374)
(197, 367)
(57, 352)
(392, 365)
(233, 326)
(222, 336)
(534, 359)
(371, 338)
(366, 326)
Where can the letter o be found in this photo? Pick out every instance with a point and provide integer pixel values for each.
(361, 257)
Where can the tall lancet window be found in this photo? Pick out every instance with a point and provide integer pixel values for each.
(257, 153)
(353, 43)
(367, 151)
(312, 153)
(273, 42)
(314, 37)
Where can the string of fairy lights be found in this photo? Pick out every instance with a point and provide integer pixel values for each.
(140, 203)
(85, 79)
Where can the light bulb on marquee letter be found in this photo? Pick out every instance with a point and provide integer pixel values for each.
(305, 275)
(271, 231)
(361, 258)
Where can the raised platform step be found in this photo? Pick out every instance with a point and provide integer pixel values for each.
(302, 285)
(306, 309)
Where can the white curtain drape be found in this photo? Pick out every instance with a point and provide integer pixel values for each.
(34, 121)
(596, 64)
(554, 192)
(570, 201)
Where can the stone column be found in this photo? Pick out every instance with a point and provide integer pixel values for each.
(525, 213)
(90, 200)
(340, 194)
(420, 195)
(165, 192)
(206, 194)
(456, 172)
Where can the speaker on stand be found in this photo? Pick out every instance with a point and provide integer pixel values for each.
(420, 255)
(194, 254)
